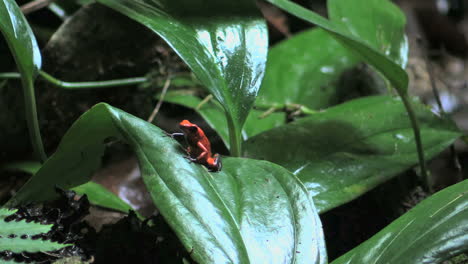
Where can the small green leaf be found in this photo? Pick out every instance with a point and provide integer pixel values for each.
(16, 236)
(347, 150)
(250, 212)
(372, 55)
(309, 76)
(21, 227)
(100, 196)
(18, 245)
(224, 43)
(23, 46)
(213, 114)
(432, 232)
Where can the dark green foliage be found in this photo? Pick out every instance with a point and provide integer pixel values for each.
(260, 208)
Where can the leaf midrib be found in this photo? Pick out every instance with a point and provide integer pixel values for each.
(189, 209)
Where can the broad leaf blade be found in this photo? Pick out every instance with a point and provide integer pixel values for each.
(23, 46)
(345, 151)
(378, 23)
(224, 43)
(390, 69)
(433, 231)
(305, 70)
(220, 217)
(20, 39)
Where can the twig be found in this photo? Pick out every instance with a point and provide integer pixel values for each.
(161, 99)
(267, 112)
(79, 85)
(34, 6)
(204, 101)
(92, 85)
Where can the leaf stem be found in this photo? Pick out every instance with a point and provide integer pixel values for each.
(161, 99)
(297, 109)
(95, 84)
(417, 137)
(32, 120)
(10, 75)
(79, 85)
(235, 139)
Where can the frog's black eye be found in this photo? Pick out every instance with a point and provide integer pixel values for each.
(193, 129)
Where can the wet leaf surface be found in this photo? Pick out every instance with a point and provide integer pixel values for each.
(433, 231)
(250, 211)
(388, 66)
(309, 76)
(224, 43)
(23, 46)
(343, 152)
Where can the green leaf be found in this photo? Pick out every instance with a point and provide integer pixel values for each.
(372, 55)
(432, 232)
(250, 212)
(18, 245)
(20, 39)
(309, 76)
(345, 151)
(100, 196)
(30, 167)
(23, 46)
(21, 227)
(212, 112)
(378, 23)
(224, 43)
(15, 236)
(97, 194)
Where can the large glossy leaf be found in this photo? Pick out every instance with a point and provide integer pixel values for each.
(250, 212)
(213, 114)
(388, 66)
(305, 70)
(433, 231)
(343, 152)
(23, 46)
(20, 39)
(224, 43)
(378, 23)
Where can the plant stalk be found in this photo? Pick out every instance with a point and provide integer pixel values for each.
(95, 84)
(417, 136)
(79, 85)
(10, 75)
(235, 139)
(32, 120)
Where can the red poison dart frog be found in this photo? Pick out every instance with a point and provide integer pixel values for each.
(199, 147)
